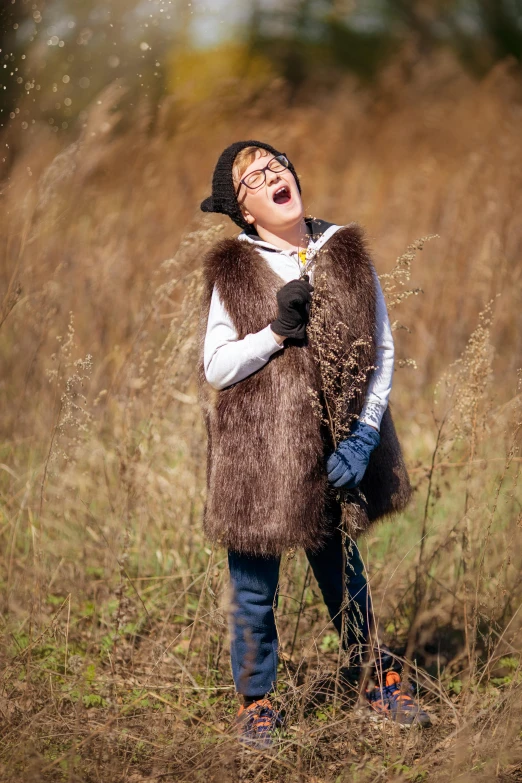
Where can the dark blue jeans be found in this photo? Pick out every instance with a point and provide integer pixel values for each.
(254, 582)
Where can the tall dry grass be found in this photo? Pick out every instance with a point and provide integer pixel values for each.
(114, 609)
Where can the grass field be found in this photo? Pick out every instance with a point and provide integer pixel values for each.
(114, 639)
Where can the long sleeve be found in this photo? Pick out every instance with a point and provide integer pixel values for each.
(226, 359)
(380, 384)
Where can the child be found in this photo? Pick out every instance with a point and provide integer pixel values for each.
(272, 470)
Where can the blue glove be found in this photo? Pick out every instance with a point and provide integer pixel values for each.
(347, 465)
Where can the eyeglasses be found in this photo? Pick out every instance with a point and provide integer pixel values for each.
(256, 178)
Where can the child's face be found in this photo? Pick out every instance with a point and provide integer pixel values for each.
(259, 207)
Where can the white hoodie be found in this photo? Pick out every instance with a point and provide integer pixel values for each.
(228, 360)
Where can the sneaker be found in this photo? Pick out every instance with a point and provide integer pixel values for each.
(391, 703)
(256, 723)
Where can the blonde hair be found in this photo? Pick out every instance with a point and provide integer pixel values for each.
(243, 159)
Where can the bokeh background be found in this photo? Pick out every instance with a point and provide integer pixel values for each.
(403, 116)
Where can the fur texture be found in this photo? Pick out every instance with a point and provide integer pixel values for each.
(266, 480)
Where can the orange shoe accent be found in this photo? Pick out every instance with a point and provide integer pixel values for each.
(392, 678)
(255, 704)
(378, 706)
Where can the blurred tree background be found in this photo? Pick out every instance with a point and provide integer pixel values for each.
(58, 55)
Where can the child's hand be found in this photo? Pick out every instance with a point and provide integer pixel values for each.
(293, 301)
(347, 465)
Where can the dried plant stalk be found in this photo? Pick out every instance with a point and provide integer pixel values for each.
(343, 374)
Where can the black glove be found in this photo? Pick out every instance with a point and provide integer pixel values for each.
(293, 300)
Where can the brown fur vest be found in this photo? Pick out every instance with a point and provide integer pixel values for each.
(266, 480)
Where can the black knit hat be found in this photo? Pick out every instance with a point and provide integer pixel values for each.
(223, 198)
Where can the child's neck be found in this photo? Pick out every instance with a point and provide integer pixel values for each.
(294, 237)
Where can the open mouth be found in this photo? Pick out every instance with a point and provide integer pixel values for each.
(282, 195)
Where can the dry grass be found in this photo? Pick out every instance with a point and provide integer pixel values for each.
(114, 628)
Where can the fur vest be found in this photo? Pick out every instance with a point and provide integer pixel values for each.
(266, 482)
